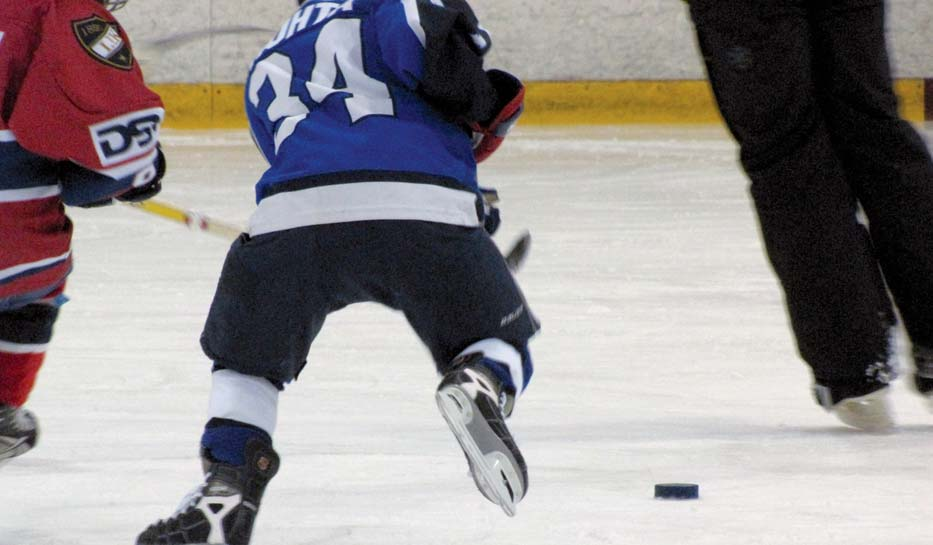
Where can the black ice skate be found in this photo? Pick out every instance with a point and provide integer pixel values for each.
(221, 511)
(469, 400)
(18, 432)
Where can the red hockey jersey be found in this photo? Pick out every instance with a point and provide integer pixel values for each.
(77, 126)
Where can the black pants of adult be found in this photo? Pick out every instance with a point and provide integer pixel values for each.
(805, 88)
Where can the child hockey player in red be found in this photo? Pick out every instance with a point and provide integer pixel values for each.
(78, 127)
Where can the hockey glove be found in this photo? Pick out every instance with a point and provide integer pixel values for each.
(488, 135)
(151, 188)
(491, 218)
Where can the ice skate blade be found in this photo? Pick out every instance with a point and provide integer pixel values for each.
(14, 449)
(488, 470)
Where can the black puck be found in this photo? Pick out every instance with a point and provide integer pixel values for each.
(677, 491)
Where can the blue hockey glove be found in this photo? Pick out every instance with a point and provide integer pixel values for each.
(151, 188)
(491, 218)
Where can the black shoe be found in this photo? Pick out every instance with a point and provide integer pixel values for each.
(471, 400)
(222, 509)
(19, 432)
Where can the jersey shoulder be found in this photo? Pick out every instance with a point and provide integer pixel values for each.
(85, 31)
(24, 12)
(20, 24)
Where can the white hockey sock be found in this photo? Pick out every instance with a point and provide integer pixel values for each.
(244, 398)
(504, 353)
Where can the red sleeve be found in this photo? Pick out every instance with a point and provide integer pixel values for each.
(18, 40)
(84, 98)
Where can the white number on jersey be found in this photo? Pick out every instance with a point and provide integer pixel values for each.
(339, 47)
(277, 68)
(339, 50)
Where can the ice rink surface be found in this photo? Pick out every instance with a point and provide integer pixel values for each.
(665, 356)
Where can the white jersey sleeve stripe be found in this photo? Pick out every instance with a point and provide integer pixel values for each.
(29, 193)
(18, 269)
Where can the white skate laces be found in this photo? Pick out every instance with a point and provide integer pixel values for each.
(192, 498)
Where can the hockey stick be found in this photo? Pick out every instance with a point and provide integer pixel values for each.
(514, 258)
(194, 220)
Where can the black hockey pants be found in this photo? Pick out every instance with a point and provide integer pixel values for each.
(805, 88)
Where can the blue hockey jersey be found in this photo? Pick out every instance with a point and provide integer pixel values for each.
(360, 108)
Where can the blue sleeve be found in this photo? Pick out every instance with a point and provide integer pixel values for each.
(402, 48)
(84, 187)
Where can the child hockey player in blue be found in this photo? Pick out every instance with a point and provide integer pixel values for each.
(372, 115)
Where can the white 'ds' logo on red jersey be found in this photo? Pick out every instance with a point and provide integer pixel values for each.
(127, 137)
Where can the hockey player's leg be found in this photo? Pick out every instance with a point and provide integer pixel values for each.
(258, 333)
(759, 58)
(871, 412)
(24, 335)
(887, 163)
(475, 397)
(479, 346)
(844, 331)
(19, 432)
(222, 509)
(844, 326)
(238, 461)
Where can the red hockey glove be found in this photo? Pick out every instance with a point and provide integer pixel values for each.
(488, 136)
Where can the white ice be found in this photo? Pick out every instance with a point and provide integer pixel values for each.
(665, 356)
